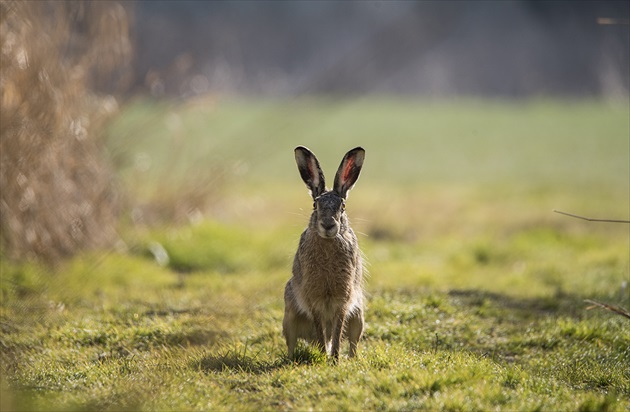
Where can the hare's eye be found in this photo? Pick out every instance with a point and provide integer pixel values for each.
(314, 205)
(343, 206)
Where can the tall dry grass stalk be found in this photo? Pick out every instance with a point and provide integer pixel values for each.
(57, 192)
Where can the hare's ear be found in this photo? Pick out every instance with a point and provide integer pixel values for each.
(310, 171)
(348, 171)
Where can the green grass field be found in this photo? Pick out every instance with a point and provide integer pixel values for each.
(476, 288)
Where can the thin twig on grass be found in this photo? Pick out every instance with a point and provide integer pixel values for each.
(591, 219)
(616, 309)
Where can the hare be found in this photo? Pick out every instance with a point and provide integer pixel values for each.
(324, 297)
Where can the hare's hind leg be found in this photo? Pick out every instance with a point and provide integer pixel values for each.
(354, 330)
(294, 326)
(292, 320)
(290, 331)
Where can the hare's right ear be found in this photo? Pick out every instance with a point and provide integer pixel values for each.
(310, 171)
(349, 171)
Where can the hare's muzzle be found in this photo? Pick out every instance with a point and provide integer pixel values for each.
(328, 228)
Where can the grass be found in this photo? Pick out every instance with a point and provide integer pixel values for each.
(476, 289)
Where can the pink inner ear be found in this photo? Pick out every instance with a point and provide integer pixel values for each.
(348, 168)
(314, 175)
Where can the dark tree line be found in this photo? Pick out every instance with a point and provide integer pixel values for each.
(507, 49)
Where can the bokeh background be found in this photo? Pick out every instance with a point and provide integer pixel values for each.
(93, 95)
(429, 49)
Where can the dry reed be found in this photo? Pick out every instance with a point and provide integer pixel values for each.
(57, 190)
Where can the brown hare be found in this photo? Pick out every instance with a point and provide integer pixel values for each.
(324, 297)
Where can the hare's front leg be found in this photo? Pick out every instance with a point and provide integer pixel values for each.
(320, 338)
(337, 331)
(355, 330)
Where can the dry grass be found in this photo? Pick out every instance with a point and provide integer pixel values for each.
(57, 192)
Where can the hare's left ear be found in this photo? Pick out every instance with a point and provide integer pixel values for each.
(310, 171)
(349, 171)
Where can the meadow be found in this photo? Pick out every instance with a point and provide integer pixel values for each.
(476, 289)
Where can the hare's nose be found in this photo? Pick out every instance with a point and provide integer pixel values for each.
(328, 225)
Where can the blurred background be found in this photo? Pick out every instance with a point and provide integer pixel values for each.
(429, 49)
(170, 112)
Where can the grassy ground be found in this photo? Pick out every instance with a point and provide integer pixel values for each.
(476, 289)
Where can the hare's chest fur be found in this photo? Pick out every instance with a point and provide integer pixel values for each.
(329, 273)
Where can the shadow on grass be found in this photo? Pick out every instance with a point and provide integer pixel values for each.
(514, 327)
(237, 363)
(240, 361)
(561, 304)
